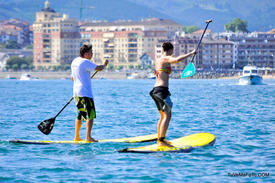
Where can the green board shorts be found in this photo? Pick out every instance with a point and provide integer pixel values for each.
(85, 107)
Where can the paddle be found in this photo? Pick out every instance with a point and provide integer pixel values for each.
(46, 126)
(190, 68)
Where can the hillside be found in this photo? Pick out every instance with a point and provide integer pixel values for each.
(258, 13)
(108, 10)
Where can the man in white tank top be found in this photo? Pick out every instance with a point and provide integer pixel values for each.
(81, 68)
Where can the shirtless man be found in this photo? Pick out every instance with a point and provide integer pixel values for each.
(160, 92)
(82, 67)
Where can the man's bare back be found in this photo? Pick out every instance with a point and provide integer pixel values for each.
(162, 71)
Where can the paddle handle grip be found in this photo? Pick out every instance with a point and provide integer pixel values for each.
(207, 23)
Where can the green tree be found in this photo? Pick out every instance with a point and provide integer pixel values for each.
(148, 67)
(24, 66)
(230, 27)
(18, 63)
(40, 68)
(139, 67)
(190, 29)
(67, 67)
(55, 68)
(29, 46)
(2, 45)
(131, 66)
(120, 67)
(12, 45)
(238, 25)
(14, 67)
(111, 67)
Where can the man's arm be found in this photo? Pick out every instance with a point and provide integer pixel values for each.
(173, 60)
(101, 67)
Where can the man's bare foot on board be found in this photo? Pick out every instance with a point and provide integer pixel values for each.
(163, 142)
(77, 139)
(91, 140)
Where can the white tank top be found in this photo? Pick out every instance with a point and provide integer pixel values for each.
(81, 72)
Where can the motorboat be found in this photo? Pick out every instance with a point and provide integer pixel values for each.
(9, 77)
(25, 77)
(151, 76)
(132, 76)
(250, 76)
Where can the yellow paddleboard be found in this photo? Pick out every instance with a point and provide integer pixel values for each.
(183, 144)
(145, 138)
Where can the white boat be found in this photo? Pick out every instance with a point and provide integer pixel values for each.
(250, 76)
(132, 76)
(151, 76)
(9, 77)
(25, 77)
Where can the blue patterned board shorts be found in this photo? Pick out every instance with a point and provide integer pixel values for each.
(85, 107)
(161, 96)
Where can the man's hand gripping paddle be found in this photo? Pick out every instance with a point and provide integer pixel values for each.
(190, 68)
(46, 126)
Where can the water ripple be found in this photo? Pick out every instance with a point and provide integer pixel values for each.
(241, 118)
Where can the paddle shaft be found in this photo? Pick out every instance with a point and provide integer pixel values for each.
(207, 23)
(71, 99)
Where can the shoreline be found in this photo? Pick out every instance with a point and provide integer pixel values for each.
(101, 75)
(60, 75)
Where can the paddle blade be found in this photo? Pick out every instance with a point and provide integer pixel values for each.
(188, 71)
(46, 126)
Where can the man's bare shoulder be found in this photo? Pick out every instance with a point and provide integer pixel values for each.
(166, 59)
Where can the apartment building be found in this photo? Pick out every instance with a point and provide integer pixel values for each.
(56, 38)
(182, 45)
(217, 53)
(151, 24)
(125, 42)
(212, 53)
(257, 48)
(123, 48)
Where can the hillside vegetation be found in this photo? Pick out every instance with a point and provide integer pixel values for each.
(259, 14)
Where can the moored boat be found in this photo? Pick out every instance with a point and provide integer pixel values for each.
(25, 77)
(151, 76)
(9, 77)
(132, 76)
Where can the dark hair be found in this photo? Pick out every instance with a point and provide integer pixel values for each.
(85, 49)
(167, 46)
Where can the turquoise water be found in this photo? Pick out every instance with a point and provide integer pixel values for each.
(241, 117)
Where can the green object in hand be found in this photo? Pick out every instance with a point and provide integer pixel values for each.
(188, 71)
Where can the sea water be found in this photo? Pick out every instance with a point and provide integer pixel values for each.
(242, 119)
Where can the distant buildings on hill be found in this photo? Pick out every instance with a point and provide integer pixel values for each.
(134, 44)
(15, 30)
(227, 50)
(256, 48)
